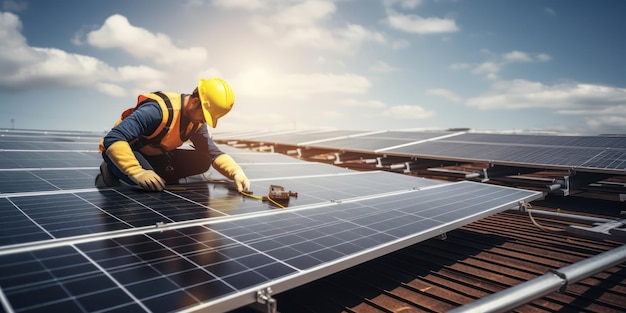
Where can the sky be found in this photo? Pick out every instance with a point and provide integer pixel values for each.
(553, 66)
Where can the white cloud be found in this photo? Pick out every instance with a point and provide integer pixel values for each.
(117, 32)
(14, 6)
(237, 120)
(330, 115)
(346, 40)
(491, 69)
(210, 72)
(26, 67)
(408, 112)
(371, 104)
(382, 67)
(405, 4)
(295, 24)
(608, 123)
(111, 89)
(614, 110)
(574, 97)
(264, 83)
(550, 11)
(601, 108)
(444, 93)
(543, 57)
(239, 4)
(518, 56)
(420, 25)
(304, 14)
(400, 44)
(459, 66)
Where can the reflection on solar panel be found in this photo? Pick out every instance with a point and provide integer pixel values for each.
(66, 246)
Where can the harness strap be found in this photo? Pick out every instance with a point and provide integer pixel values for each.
(155, 141)
(184, 135)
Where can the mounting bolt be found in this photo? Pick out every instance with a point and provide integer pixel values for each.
(264, 296)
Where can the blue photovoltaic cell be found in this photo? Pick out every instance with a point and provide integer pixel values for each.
(608, 159)
(45, 180)
(59, 280)
(73, 214)
(567, 141)
(584, 152)
(554, 156)
(197, 265)
(67, 248)
(19, 145)
(15, 227)
(26, 159)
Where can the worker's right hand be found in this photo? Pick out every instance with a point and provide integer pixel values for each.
(229, 168)
(242, 182)
(148, 180)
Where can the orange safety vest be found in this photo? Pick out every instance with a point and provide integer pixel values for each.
(169, 135)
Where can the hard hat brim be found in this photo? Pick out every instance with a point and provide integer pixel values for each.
(208, 118)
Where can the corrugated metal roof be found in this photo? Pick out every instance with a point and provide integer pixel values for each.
(480, 259)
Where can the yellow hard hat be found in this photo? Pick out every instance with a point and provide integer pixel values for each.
(217, 99)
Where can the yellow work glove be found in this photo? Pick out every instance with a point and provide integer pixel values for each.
(122, 155)
(229, 168)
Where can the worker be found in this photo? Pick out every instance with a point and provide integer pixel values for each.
(144, 146)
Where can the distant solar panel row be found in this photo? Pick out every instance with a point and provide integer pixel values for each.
(594, 153)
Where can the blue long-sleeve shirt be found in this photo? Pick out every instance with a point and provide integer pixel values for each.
(145, 120)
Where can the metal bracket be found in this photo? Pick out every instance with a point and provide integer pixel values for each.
(613, 230)
(524, 206)
(264, 296)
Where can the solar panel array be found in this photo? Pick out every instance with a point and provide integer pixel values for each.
(199, 246)
(584, 153)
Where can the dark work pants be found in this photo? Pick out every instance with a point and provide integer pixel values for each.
(181, 163)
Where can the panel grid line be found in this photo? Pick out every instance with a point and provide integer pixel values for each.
(31, 220)
(115, 281)
(5, 302)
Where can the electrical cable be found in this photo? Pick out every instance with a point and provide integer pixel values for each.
(544, 228)
(261, 199)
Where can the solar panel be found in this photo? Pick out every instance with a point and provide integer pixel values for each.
(586, 153)
(567, 141)
(376, 140)
(15, 181)
(83, 212)
(67, 246)
(74, 146)
(302, 136)
(502, 153)
(48, 159)
(220, 265)
(607, 159)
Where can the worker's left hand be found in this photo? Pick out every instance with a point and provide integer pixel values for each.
(242, 182)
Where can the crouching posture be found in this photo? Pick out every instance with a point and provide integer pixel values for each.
(143, 147)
